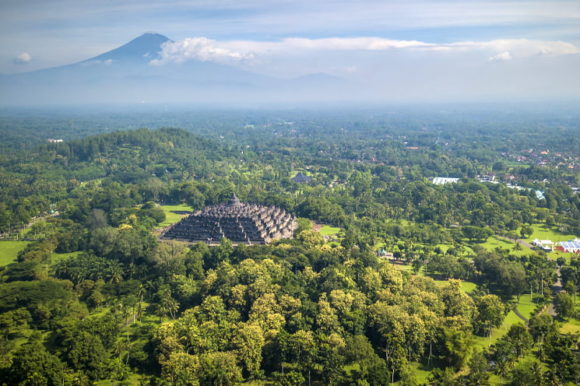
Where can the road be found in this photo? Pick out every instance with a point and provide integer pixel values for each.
(556, 288)
(519, 241)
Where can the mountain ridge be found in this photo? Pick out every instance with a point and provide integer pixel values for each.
(125, 75)
(146, 46)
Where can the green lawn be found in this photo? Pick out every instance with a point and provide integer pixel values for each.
(555, 254)
(9, 250)
(494, 242)
(572, 325)
(466, 251)
(514, 164)
(58, 257)
(420, 371)
(405, 267)
(132, 379)
(543, 232)
(526, 306)
(495, 379)
(444, 247)
(466, 286)
(484, 342)
(171, 217)
(328, 230)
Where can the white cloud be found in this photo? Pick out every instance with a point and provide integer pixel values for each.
(204, 49)
(107, 62)
(23, 58)
(198, 48)
(64, 31)
(501, 57)
(348, 44)
(519, 47)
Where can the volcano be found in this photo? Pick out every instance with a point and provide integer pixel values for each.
(127, 74)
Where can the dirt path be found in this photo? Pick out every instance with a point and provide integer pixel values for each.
(519, 241)
(316, 226)
(517, 312)
(556, 288)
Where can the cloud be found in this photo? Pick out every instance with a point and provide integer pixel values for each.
(198, 48)
(63, 31)
(501, 57)
(298, 16)
(231, 51)
(107, 62)
(519, 47)
(23, 58)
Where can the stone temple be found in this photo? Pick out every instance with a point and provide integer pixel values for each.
(241, 223)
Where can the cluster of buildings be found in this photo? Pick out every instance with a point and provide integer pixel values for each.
(570, 246)
(545, 157)
(539, 194)
(487, 179)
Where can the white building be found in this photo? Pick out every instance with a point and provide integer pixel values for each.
(444, 180)
(546, 245)
(571, 246)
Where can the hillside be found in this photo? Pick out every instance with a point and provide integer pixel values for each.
(404, 282)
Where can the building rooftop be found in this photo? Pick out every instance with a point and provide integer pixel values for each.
(444, 180)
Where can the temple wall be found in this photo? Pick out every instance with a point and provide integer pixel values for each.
(239, 222)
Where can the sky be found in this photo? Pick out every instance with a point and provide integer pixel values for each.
(417, 43)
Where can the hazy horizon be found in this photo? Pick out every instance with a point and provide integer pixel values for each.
(261, 53)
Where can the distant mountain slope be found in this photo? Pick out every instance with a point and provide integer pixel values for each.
(126, 75)
(141, 49)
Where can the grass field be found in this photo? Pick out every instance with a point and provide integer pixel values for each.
(405, 267)
(466, 251)
(572, 325)
(58, 257)
(494, 242)
(420, 371)
(132, 379)
(328, 230)
(484, 342)
(526, 306)
(171, 217)
(543, 232)
(466, 286)
(9, 250)
(514, 164)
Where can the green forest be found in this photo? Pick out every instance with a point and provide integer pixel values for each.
(389, 278)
